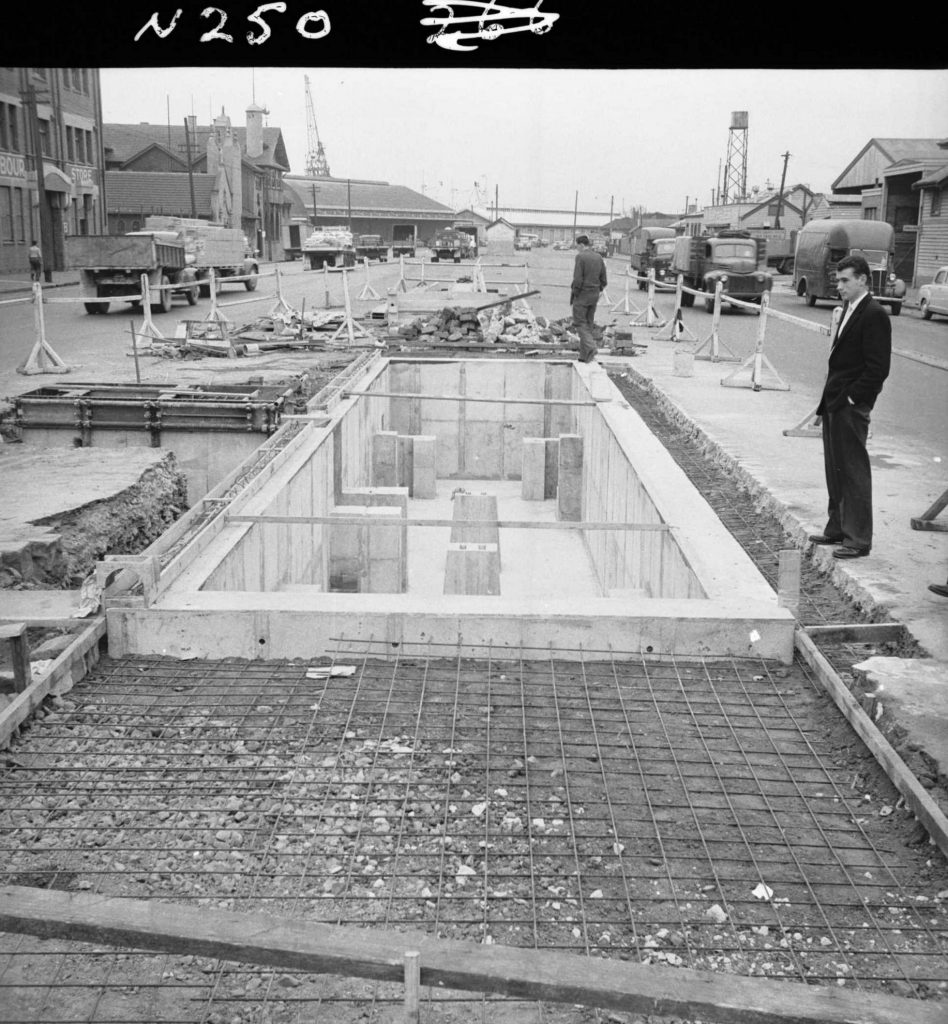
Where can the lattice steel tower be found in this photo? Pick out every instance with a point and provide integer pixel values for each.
(316, 164)
(735, 170)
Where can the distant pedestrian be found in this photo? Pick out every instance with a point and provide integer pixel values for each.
(36, 261)
(589, 280)
(859, 360)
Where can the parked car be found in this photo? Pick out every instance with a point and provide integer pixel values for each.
(933, 297)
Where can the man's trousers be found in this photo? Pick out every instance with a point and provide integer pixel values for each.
(848, 475)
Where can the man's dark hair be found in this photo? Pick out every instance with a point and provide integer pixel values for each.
(858, 264)
(582, 239)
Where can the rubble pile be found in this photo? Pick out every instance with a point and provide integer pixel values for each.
(451, 324)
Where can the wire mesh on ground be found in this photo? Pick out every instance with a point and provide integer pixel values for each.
(702, 814)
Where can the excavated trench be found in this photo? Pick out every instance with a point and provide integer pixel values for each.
(625, 807)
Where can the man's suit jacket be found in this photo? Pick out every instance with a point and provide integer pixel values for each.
(859, 359)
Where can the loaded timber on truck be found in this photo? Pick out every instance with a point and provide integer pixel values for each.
(111, 267)
(329, 247)
(209, 246)
(652, 249)
(731, 257)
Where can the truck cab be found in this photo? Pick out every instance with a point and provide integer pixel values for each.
(821, 244)
(652, 249)
(371, 247)
(450, 244)
(732, 257)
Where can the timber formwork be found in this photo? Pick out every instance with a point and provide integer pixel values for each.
(692, 815)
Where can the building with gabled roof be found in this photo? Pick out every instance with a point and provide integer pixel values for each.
(931, 247)
(134, 195)
(247, 164)
(367, 206)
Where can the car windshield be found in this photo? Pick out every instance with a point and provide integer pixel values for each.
(665, 246)
(876, 257)
(735, 250)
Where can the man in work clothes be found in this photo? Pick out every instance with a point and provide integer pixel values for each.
(589, 279)
(858, 365)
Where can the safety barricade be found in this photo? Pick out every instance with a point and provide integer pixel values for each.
(625, 304)
(757, 362)
(216, 312)
(42, 358)
(476, 273)
(650, 317)
(368, 292)
(713, 340)
(678, 330)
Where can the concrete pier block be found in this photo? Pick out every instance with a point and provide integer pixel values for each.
(569, 488)
(472, 569)
(385, 459)
(476, 507)
(533, 474)
(406, 459)
(368, 557)
(424, 483)
(552, 466)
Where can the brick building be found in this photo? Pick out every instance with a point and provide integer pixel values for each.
(68, 107)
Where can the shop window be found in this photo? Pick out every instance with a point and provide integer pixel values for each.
(4, 132)
(13, 126)
(6, 213)
(44, 137)
(936, 202)
(71, 134)
(20, 199)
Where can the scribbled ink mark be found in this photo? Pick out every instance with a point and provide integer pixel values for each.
(490, 22)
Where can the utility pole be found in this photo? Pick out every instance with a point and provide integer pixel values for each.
(314, 204)
(496, 200)
(783, 179)
(45, 228)
(349, 202)
(187, 143)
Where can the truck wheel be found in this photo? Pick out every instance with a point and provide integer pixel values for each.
(810, 299)
(687, 299)
(204, 290)
(801, 287)
(643, 285)
(922, 306)
(251, 283)
(434, 259)
(457, 259)
(896, 308)
(709, 305)
(164, 298)
(103, 307)
(192, 296)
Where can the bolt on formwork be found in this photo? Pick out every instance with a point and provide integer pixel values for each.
(683, 813)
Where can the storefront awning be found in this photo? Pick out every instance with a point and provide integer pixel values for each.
(56, 180)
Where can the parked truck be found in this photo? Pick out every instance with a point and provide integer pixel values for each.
(404, 242)
(371, 247)
(451, 244)
(652, 249)
(209, 246)
(780, 244)
(329, 247)
(732, 257)
(821, 244)
(111, 267)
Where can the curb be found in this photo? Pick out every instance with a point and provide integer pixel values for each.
(27, 287)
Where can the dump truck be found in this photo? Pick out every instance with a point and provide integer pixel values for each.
(732, 257)
(111, 267)
(208, 246)
(450, 243)
(329, 247)
(652, 249)
(371, 247)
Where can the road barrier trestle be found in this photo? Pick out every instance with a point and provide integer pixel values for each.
(714, 338)
(42, 358)
(280, 306)
(214, 314)
(326, 299)
(348, 323)
(10, 302)
(678, 330)
(625, 304)
(652, 318)
(809, 426)
(926, 520)
(148, 328)
(368, 292)
(401, 273)
(757, 362)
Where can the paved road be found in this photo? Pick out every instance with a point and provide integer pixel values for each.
(912, 407)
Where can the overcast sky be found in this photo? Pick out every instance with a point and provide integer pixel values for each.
(633, 137)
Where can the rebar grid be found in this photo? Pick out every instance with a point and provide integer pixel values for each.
(616, 808)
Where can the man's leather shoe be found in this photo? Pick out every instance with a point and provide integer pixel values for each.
(845, 552)
(821, 538)
(941, 589)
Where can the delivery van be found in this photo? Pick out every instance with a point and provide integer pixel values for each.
(821, 244)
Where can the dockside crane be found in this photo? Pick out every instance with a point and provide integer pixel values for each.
(316, 164)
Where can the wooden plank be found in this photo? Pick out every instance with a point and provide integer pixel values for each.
(14, 634)
(858, 632)
(73, 658)
(307, 945)
(468, 398)
(916, 796)
(506, 524)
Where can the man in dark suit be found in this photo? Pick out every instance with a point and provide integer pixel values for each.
(589, 280)
(858, 365)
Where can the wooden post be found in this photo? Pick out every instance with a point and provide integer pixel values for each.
(412, 988)
(15, 635)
